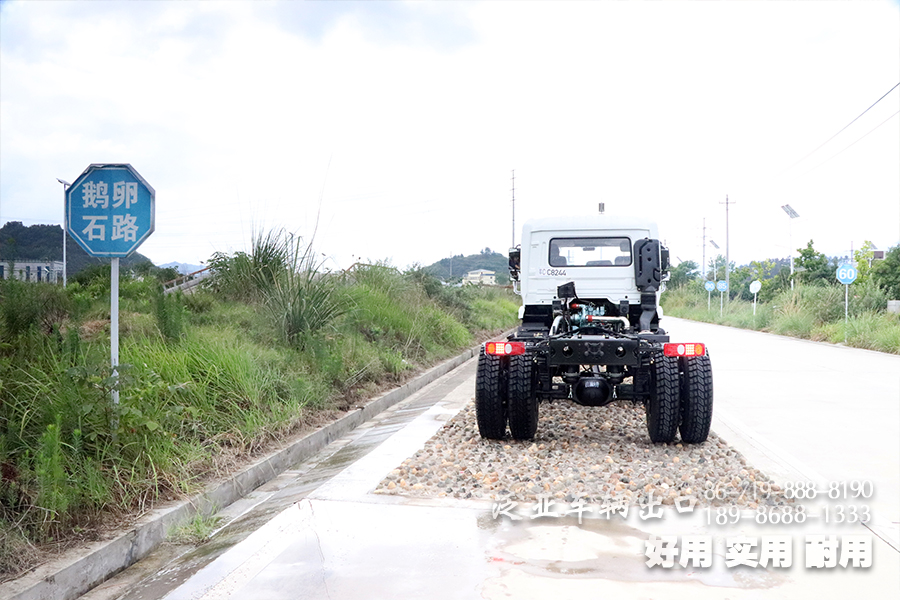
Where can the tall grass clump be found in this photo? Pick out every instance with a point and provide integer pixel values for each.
(243, 276)
(169, 309)
(283, 275)
(302, 298)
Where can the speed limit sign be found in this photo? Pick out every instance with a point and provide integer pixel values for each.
(847, 273)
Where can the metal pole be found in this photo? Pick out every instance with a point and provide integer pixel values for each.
(727, 240)
(114, 341)
(513, 245)
(65, 185)
(791, 247)
(846, 311)
(704, 249)
(65, 233)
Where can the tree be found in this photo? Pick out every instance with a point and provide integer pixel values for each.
(716, 268)
(886, 273)
(685, 273)
(814, 266)
(863, 259)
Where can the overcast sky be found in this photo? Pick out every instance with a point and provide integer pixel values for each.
(396, 125)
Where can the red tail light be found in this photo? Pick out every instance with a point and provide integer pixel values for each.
(504, 348)
(684, 350)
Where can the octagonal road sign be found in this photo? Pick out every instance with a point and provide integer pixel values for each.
(846, 273)
(110, 210)
(755, 286)
(722, 285)
(710, 286)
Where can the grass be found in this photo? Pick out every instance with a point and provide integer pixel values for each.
(195, 531)
(809, 312)
(206, 380)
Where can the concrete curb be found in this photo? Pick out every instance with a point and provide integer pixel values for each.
(78, 571)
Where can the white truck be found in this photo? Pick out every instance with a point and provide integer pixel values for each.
(590, 333)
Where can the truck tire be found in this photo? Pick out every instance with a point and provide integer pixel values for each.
(523, 403)
(663, 406)
(696, 399)
(490, 396)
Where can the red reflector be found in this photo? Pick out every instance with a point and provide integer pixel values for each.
(687, 350)
(504, 348)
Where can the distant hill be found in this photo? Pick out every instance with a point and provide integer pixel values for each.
(44, 242)
(487, 259)
(182, 268)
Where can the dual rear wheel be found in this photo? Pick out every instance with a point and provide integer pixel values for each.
(681, 399)
(504, 392)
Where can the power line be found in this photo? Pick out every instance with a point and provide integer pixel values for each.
(842, 129)
(854, 143)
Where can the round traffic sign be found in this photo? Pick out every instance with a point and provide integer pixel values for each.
(710, 286)
(722, 285)
(847, 273)
(755, 286)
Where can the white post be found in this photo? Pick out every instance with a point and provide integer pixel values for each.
(754, 304)
(114, 329)
(64, 250)
(846, 311)
(65, 185)
(708, 301)
(791, 247)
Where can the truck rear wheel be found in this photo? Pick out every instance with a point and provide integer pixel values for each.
(490, 396)
(663, 406)
(523, 404)
(696, 399)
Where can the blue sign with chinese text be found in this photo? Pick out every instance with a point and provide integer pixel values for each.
(110, 210)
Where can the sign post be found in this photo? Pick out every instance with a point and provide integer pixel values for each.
(755, 286)
(846, 274)
(710, 286)
(722, 286)
(110, 211)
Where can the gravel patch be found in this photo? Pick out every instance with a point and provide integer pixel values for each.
(587, 453)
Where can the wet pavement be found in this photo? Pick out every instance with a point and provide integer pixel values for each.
(318, 531)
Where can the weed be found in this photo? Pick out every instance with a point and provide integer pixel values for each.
(196, 531)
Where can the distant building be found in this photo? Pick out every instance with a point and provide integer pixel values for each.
(480, 277)
(32, 270)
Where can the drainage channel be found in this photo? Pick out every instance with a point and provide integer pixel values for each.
(172, 564)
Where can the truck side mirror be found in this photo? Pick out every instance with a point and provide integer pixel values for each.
(515, 257)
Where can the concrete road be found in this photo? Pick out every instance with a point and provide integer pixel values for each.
(808, 411)
(798, 410)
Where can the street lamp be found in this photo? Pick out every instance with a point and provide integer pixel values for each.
(65, 185)
(793, 215)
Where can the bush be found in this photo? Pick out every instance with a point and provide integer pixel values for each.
(29, 305)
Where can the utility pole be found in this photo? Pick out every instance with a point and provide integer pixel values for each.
(513, 245)
(727, 256)
(704, 250)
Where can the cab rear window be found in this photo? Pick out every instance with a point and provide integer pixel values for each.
(590, 252)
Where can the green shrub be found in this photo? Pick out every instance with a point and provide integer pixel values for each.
(169, 312)
(29, 305)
